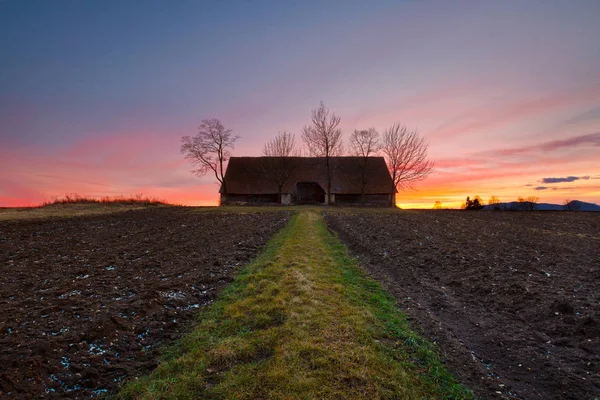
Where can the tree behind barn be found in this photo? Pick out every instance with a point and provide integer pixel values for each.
(323, 138)
(363, 144)
(406, 156)
(278, 166)
(210, 149)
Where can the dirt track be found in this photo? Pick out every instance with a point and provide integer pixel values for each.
(511, 298)
(86, 301)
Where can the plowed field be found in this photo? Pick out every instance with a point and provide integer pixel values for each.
(86, 301)
(511, 298)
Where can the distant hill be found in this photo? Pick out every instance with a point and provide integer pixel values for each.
(574, 205)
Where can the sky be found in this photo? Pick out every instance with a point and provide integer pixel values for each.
(96, 95)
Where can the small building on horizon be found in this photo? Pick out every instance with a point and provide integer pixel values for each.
(303, 180)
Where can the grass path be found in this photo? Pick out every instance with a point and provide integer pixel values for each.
(300, 322)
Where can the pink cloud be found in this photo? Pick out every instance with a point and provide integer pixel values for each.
(492, 116)
(592, 139)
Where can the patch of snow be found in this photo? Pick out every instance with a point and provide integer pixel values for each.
(96, 349)
(69, 294)
(174, 295)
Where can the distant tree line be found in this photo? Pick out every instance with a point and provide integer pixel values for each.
(522, 204)
(528, 203)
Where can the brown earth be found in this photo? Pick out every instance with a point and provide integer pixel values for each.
(86, 301)
(511, 298)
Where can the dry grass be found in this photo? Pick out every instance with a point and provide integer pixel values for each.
(136, 199)
(74, 205)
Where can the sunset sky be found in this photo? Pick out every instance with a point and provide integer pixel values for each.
(95, 95)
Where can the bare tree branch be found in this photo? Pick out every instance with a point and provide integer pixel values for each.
(277, 166)
(528, 203)
(282, 145)
(494, 200)
(210, 149)
(323, 138)
(406, 156)
(364, 143)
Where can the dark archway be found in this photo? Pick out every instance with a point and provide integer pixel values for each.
(309, 193)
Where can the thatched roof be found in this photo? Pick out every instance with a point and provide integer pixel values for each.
(260, 175)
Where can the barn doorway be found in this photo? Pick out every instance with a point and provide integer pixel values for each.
(309, 193)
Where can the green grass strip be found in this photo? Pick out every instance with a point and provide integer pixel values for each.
(301, 322)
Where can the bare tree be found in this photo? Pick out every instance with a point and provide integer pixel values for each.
(528, 203)
(277, 166)
(364, 144)
(210, 149)
(406, 156)
(494, 201)
(282, 145)
(438, 205)
(323, 138)
(532, 199)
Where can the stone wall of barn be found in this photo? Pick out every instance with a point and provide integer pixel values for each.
(249, 199)
(376, 200)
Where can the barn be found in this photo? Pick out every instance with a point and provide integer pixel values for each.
(303, 180)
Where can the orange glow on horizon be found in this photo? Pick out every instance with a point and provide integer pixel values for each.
(146, 162)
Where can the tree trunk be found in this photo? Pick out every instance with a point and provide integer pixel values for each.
(363, 182)
(328, 196)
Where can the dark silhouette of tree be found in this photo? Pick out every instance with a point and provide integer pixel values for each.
(210, 149)
(323, 138)
(278, 151)
(406, 156)
(475, 204)
(437, 205)
(528, 203)
(282, 145)
(364, 144)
